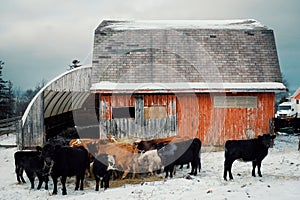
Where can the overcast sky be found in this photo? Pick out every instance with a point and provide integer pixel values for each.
(40, 38)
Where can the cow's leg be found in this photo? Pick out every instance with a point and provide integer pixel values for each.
(63, 183)
(77, 182)
(101, 182)
(194, 168)
(31, 179)
(134, 169)
(230, 174)
(199, 164)
(125, 174)
(167, 173)
(253, 168)
(19, 172)
(166, 169)
(40, 182)
(81, 182)
(106, 183)
(46, 179)
(30, 175)
(171, 170)
(258, 168)
(106, 180)
(54, 185)
(227, 168)
(97, 183)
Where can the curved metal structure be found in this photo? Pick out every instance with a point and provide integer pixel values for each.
(66, 92)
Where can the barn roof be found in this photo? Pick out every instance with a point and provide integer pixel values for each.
(110, 87)
(296, 94)
(200, 51)
(180, 24)
(64, 93)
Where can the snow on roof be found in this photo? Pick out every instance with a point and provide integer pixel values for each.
(183, 24)
(296, 93)
(186, 86)
(24, 117)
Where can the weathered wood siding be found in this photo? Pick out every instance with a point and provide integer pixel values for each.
(189, 115)
(197, 116)
(32, 132)
(139, 126)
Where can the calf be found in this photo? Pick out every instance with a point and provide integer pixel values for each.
(125, 155)
(149, 161)
(65, 161)
(254, 150)
(32, 163)
(102, 168)
(180, 153)
(20, 156)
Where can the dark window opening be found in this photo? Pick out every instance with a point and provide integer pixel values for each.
(212, 36)
(124, 112)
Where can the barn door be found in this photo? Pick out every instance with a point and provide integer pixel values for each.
(159, 115)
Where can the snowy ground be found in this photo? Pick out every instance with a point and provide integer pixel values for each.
(280, 169)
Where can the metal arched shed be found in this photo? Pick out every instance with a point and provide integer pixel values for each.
(65, 93)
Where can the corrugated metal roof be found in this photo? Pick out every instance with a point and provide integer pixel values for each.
(56, 103)
(64, 93)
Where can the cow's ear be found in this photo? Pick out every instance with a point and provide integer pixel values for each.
(38, 148)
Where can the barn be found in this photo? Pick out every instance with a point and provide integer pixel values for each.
(211, 79)
(296, 98)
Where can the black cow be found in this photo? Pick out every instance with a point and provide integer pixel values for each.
(33, 164)
(254, 150)
(102, 168)
(180, 153)
(64, 161)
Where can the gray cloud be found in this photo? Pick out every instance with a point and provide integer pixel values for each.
(38, 39)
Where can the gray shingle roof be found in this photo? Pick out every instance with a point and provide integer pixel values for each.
(230, 51)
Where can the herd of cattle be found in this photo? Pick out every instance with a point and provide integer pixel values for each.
(103, 157)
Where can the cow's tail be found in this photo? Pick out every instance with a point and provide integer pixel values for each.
(226, 150)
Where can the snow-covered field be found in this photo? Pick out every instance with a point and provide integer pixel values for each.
(280, 169)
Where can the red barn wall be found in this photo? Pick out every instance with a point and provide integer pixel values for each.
(197, 117)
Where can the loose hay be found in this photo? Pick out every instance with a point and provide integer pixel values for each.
(119, 183)
(90, 183)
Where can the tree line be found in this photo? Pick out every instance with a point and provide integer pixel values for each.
(13, 102)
